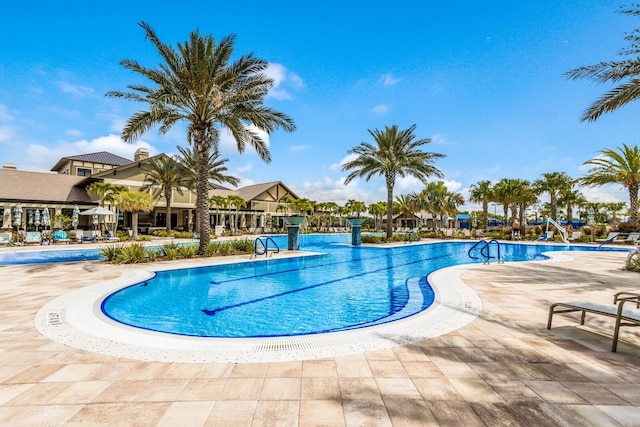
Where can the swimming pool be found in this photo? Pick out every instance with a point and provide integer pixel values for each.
(342, 288)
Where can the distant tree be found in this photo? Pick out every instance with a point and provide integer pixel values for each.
(617, 166)
(134, 202)
(218, 202)
(355, 207)
(217, 169)
(238, 203)
(162, 176)
(571, 199)
(395, 153)
(554, 183)
(482, 192)
(505, 192)
(377, 210)
(626, 72)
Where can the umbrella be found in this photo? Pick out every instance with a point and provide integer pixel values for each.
(74, 216)
(30, 217)
(95, 219)
(37, 218)
(46, 219)
(98, 210)
(474, 220)
(591, 217)
(445, 219)
(17, 220)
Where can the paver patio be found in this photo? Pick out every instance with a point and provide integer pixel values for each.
(504, 368)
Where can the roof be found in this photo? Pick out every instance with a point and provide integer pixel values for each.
(251, 192)
(128, 165)
(43, 187)
(103, 157)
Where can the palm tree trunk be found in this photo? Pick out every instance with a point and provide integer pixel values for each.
(134, 225)
(167, 199)
(390, 184)
(633, 203)
(202, 194)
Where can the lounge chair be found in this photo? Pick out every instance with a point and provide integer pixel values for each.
(546, 236)
(60, 236)
(575, 236)
(5, 238)
(33, 237)
(110, 237)
(623, 316)
(84, 236)
(610, 238)
(631, 238)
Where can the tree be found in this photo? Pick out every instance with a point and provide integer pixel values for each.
(395, 153)
(554, 183)
(219, 202)
(625, 72)
(505, 192)
(482, 192)
(162, 176)
(434, 198)
(355, 207)
(198, 84)
(238, 203)
(134, 202)
(217, 169)
(107, 193)
(570, 199)
(526, 196)
(617, 166)
(377, 210)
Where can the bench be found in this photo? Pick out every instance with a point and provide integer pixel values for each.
(623, 316)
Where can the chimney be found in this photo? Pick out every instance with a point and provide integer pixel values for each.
(10, 166)
(141, 154)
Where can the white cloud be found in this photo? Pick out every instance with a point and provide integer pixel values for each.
(606, 194)
(229, 145)
(328, 190)
(75, 90)
(345, 159)
(74, 132)
(388, 80)
(453, 185)
(283, 80)
(6, 133)
(438, 139)
(246, 168)
(5, 117)
(42, 158)
(296, 148)
(380, 109)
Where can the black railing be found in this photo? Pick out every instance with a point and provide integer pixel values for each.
(261, 246)
(485, 251)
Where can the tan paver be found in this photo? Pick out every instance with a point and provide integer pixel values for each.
(504, 368)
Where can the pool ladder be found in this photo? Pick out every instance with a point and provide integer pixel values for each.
(261, 247)
(410, 236)
(485, 251)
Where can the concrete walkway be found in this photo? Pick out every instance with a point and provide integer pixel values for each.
(504, 368)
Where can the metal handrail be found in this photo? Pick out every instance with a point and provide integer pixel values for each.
(265, 247)
(485, 251)
(410, 236)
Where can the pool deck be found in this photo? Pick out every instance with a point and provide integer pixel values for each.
(503, 368)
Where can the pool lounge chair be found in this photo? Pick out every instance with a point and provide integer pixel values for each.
(60, 236)
(610, 238)
(575, 236)
(110, 237)
(624, 316)
(5, 238)
(547, 236)
(84, 236)
(33, 237)
(631, 239)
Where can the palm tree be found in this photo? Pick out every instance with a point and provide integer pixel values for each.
(107, 191)
(238, 203)
(554, 183)
(396, 153)
(526, 196)
(217, 169)
(617, 166)
(219, 202)
(162, 176)
(134, 202)
(613, 208)
(570, 199)
(506, 192)
(377, 210)
(405, 205)
(355, 207)
(199, 85)
(482, 192)
(626, 71)
(433, 198)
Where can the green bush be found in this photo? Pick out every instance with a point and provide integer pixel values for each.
(123, 235)
(171, 253)
(112, 252)
(132, 254)
(143, 238)
(187, 251)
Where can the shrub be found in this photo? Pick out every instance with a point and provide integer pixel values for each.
(628, 227)
(143, 238)
(132, 254)
(112, 252)
(123, 235)
(187, 251)
(171, 253)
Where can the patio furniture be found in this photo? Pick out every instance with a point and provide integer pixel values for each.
(546, 236)
(60, 236)
(575, 236)
(5, 238)
(624, 316)
(610, 237)
(631, 238)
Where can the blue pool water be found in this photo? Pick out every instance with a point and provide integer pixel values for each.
(343, 288)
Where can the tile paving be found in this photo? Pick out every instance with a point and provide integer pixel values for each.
(504, 368)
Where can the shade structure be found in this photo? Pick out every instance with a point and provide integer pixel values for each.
(98, 210)
(474, 220)
(17, 219)
(46, 218)
(591, 217)
(36, 220)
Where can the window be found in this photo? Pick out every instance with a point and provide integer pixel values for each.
(84, 172)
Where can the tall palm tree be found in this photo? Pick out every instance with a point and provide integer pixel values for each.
(434, 198)
(527, 195)
(162, 176)
(198, 84)
(482, 192)
(617, 166)
(377, 209)
(355, 207)
(107, 191)
(238, 203)
(134, 202)
(625, 73)
(405, 205)
(554, 183)
(395, 153)
(217, 169)
(219, 202)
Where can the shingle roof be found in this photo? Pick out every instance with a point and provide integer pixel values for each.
(45, 187)
(103, 157)
(250, 192)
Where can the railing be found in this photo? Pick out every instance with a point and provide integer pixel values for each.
(261, 247)
(410, 236)
(485, 251)
(561, 230)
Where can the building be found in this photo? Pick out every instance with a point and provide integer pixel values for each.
(60, 192)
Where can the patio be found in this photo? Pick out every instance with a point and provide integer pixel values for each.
(504, 368)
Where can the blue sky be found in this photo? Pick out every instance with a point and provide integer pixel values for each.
(482, 79)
